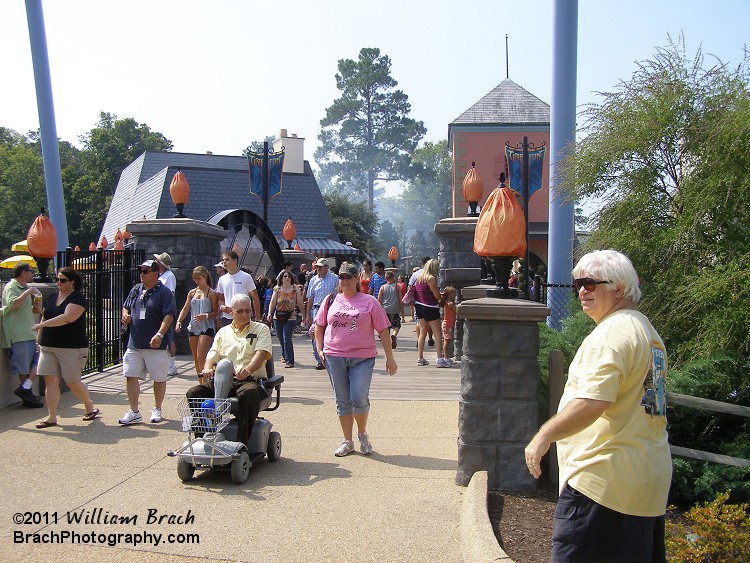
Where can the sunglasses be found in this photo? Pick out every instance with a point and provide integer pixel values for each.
(345, 276)
(63, 280)
(144, 272)
(242, 311)
(588, 284)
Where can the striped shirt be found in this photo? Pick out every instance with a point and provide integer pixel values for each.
(318, 288)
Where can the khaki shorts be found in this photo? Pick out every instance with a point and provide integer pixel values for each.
(67, 363)
(137, 363)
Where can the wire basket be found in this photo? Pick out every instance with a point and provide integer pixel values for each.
(203, 415)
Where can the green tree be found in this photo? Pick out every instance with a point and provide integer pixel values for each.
(366, 135)
(108, 148)
(353, 222)
(670, 148)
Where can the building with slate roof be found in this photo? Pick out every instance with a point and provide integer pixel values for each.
(219, 183)
(506, 114)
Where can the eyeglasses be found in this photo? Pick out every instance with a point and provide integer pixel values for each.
(588, 284)
(62, 280)
(345, 276)
(242, 311)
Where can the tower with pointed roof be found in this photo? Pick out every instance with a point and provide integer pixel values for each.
(506, 114)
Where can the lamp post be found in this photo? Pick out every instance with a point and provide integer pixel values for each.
(473, 190)
(393, 255)
(289, 232)
(500, 237)
(42, 241)
(179, 190)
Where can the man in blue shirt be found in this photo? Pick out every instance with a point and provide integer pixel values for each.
(378, 279)
(318, 288)
(149, 311)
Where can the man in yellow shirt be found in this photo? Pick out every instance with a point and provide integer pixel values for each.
(610, 428)
(242, 349)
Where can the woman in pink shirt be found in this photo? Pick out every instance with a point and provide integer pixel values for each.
(344, 331)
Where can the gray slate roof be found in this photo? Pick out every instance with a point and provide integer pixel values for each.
(216, 183)
(507, 103)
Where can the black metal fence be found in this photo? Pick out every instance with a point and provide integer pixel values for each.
(540, 292)
(108, 276)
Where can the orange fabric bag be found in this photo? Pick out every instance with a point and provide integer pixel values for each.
(501, 230)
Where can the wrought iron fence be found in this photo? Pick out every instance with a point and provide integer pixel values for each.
(108, 276)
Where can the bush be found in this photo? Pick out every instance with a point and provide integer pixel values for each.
(717, 532)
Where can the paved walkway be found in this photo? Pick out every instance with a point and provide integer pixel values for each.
(398, 504)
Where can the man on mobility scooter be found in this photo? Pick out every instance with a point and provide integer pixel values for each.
(237, 366)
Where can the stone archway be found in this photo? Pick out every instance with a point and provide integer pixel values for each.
(252, 239)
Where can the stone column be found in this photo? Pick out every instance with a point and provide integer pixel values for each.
(459, 266)
(498, 409)
(190, 243)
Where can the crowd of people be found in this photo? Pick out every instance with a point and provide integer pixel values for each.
(340, 311)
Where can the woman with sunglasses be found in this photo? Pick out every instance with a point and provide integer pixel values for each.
(64, 345)
(611, 427)
(283, 311)
(202, 304)
(344, 333)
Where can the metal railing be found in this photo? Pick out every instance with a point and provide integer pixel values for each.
(108, 276)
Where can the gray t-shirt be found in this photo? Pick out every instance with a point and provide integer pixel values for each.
(390, 298)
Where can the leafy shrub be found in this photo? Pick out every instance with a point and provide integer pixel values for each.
(717, 532)
(698, 481)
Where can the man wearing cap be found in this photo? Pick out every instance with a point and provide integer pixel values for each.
(319, 287)
(149, 311)
(168, 279)
(18, 318)
(233, 282)
(220, 270)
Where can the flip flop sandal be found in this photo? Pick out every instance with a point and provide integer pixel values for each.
(46, 424)
(91, 415)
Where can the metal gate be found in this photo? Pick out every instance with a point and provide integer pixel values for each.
(108, 276)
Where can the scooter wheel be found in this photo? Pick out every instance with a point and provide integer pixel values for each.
(274, 446)
(185, 469)
(241, 468)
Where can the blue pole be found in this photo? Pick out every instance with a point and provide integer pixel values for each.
(562, 135)
(50, 149)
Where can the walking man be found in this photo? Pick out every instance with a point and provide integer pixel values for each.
(149, 311)
(168, 279)
(234, 282)
(318, 288)
(18, 318)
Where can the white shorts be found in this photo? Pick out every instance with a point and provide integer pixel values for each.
(137, 362)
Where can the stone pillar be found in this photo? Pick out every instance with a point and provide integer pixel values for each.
(190, 243)
(498, 409)
(459, 266)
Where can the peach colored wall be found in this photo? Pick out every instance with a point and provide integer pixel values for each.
(487, 149)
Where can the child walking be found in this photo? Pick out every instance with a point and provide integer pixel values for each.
(449, 322)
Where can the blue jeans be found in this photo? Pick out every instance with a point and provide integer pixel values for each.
(284, 330)
(350, 379)
(314, 313)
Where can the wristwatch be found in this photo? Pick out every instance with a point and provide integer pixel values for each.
(160, 335)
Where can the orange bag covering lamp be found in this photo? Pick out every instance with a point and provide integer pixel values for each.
(500, 237)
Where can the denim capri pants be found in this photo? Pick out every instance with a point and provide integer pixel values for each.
(350, 379)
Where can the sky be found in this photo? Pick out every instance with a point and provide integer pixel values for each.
(216, 76)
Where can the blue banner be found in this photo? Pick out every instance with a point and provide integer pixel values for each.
(514, 158)
(275, 168)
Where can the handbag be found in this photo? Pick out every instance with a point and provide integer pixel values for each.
(410, 296)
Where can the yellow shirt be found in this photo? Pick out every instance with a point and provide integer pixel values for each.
(622, 460)
(239, 347)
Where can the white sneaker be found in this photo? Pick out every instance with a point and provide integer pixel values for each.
(172, 371)
(440, 363)
(346, 447)
(365, 447)
(156, 415)
(131, 417)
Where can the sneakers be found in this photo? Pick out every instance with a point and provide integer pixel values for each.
(422, 362)
(172, 371)
(131, 418)
(346, 447)
(156, 415)
(29, 399)
(320, 367)
(365, 447)
(443, 363)
(449, 362)
(394, 342)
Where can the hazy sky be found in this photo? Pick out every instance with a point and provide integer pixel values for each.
(215, 76)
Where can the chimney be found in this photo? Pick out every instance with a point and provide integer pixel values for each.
(294, 152)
